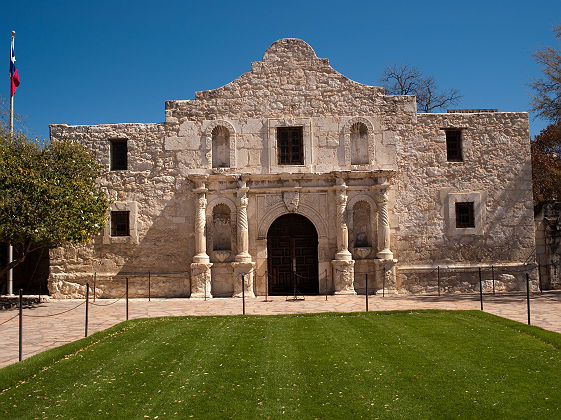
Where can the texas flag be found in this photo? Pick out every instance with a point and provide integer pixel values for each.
(13, 70)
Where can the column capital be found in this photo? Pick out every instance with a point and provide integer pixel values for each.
(200, 190)
(381, 195)
(340, 184)
(200, 185)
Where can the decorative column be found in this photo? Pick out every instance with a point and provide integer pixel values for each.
(385, 267)
(384, 232)
(243, 228)
(343, 264)
(200, 268)
(243, 266)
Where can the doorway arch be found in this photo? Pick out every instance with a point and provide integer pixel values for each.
(292, 255)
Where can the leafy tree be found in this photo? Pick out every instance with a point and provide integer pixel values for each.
(546, 165)
(48, 194)
(408, 80)
(546, 100)
(546, 147)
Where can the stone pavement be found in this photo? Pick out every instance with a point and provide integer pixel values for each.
(56, 322)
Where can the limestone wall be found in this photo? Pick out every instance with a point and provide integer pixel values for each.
(162, 209)
(496, 170)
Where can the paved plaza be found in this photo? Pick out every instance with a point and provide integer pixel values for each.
(56, 322)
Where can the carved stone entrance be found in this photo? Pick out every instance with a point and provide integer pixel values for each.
(292, 255)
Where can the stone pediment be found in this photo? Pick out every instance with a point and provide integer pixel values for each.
(291, 62)
(289, 79)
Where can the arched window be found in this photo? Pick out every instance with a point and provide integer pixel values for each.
(359, 143)
(220, 147)
(222, 228)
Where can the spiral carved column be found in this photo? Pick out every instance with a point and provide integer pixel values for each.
(243, 266)
(200, 268)
(243, 228)
(384, 234)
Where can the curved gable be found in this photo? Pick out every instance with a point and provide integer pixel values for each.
(289, 79)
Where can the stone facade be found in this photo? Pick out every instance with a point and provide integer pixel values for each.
(548, 244)
(203, 188)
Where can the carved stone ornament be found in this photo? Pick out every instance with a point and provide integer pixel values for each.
(291, 200)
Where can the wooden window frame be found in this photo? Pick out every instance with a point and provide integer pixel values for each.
(120, 223)
(290, 149)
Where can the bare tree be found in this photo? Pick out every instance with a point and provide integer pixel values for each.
(19, 120)
(546, 100)
(407, 80)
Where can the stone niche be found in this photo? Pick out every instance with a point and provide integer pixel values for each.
(221, 242)
(221, 229)
(359, 143)
(362, 220)
(220, 147)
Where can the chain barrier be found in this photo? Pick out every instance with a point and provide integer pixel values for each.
(152, 273)
(109, 304)
(58, 313)
(8, 320)
(428, 272)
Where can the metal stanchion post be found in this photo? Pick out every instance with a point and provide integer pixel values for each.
(149, 286)
(384, 283)
(366, 291)
(438, 278)
(20, 322)
(480, 289)
(326, 285)
(267, 287)
(127, 295)
(528, 295)
(243, 294)
(94, 286)
(540, 278)
(87, 302)
(493, 278)
(294, 284)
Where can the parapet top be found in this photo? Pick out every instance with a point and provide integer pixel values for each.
(289, 47)
(471, 111)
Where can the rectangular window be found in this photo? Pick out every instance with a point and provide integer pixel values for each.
(290, 147)
(454, 145)
(120, 223)
(465, 215)
(118, 154)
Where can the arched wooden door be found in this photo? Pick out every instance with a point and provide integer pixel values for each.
(292, 256)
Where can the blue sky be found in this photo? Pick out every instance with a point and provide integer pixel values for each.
(118, 61)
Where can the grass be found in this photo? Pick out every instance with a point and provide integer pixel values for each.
(429, 364)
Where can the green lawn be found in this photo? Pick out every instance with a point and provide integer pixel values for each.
(388, 364)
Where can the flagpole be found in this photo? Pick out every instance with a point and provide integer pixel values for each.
(11, 93)
(10, 247)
